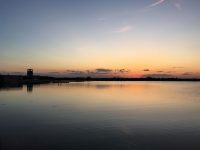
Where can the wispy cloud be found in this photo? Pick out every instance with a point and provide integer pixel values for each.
(122, 71)
(187, 74)
(158, 76)
(170, 72)
(98, 72)
(75, 72)
(102, 70)
(177, 67)
(146, 70)
(178, 4)
(156, 3)
(124, 29)
(101, 19)
(54, 72)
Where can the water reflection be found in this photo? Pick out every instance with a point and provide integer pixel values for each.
(15, 87)
(102, 115)
(29, 88)
(103, 86)
(1, 145)
(11, 87)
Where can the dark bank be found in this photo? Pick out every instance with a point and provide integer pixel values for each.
(30, 78)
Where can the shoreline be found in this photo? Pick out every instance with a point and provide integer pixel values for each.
(9, 80)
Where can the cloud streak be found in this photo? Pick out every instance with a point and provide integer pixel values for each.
(177, 67)
(146, 70)
(158, 76)
(98, 72)
(178, 6)
(187, 74)
(101, 19)
(156, 3)
(122, 71)
(124, 29)
(102, 70)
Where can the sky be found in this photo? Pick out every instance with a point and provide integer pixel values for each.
(101, 38)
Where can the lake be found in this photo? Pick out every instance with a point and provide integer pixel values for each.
(101, 116)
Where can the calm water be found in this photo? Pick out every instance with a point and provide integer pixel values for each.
(101, 116)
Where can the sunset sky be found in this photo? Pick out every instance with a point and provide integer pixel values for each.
(127, 38)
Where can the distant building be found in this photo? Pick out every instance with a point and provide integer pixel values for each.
(30, 73)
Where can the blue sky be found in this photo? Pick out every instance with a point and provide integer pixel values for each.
(57, 35)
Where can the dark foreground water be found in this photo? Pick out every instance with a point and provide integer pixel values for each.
(101, 116)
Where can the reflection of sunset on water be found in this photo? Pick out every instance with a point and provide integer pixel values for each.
(94, 95)
(164, 110)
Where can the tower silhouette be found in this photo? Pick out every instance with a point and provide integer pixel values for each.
(30, 73)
